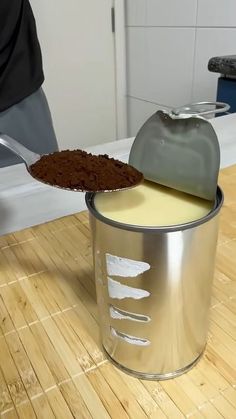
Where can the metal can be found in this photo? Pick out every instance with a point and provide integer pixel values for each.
(153, 291)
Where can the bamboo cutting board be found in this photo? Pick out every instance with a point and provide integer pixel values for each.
(51, 362)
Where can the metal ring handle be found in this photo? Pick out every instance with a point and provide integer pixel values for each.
(191, 109)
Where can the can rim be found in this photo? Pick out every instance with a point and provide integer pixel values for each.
(89, 199)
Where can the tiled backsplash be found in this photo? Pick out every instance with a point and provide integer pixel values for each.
(216, 13)
(169, 44)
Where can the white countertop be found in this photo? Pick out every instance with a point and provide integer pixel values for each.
(25, 202)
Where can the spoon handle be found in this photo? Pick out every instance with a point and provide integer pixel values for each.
(27, 155)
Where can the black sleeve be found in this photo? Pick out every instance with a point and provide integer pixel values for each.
(21, 71)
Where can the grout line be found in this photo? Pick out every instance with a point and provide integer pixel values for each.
(37, 236)
(102, 362)
(56, 313)
(36, 273)
(82, 372)
(67, 380)
(217, 304)
(44, 318)
(23, 327)
(150, 101)
(50, 388)
(16, 244)
(23, 402)
(36, 396)
(56, 386)
(23, 277)
(34, 322)
(209, 402)
(28, 325)
(194, 56)
(15, 281)
(226, 242)
(179, 27)
(8, 333)
(3, 413)
(93, 367)
(78, 374)
(201, 406)
(190, 414)
(68, 308)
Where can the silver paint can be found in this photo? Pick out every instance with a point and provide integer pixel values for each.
(154, 304)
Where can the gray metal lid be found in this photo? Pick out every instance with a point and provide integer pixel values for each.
(180, 150)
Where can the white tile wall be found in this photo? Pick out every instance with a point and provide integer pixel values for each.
(169, 44)
(136, 12)
(155, 72)
(210, 42)
(138, 112)
(137, 57)
(216, 13)
(161, 12)
(171, 12)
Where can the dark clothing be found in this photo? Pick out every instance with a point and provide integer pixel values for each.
(21, 71)
(24, 111)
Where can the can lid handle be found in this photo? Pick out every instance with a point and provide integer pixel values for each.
(200, 109)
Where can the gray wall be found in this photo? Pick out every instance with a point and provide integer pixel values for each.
(169, 44)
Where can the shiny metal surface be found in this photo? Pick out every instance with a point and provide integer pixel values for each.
(178, 151)
(201, 109)
(153, 292)
(28, 156)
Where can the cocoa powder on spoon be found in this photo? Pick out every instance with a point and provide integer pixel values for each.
(79, 170)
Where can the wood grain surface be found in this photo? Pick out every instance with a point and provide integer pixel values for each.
(51, 361)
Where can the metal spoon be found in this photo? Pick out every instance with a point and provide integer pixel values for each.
(29, 158)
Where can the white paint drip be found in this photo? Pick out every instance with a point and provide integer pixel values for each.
(133, 340)
(120, 291)
(118, 314)
(118, 266)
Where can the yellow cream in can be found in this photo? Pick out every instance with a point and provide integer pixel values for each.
(150, 204)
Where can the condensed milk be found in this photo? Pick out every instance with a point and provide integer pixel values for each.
(150, 204)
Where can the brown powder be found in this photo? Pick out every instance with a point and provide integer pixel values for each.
(80, 170)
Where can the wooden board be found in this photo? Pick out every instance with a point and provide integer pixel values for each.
(51, 362)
